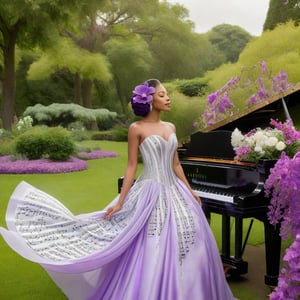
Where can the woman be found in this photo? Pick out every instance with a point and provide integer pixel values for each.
(153, 241)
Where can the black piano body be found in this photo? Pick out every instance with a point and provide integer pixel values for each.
(236, 189)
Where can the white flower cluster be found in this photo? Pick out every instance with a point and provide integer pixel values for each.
(24, 123)
(258, 142)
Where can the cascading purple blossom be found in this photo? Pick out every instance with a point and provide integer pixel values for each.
(220, 105)
(282, 186)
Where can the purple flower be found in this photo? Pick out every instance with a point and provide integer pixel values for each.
(263, 67)
(143, 93)
(40, 166)
(282, 186)
(43, 166)
(211, 98)
(96, 154)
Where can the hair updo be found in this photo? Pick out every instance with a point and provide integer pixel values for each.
(143, 108)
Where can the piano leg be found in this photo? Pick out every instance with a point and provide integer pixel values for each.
(238, 238)
(272, 253)
(239, 266)
(225, 236)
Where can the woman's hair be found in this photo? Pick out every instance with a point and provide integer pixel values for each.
(142, 109)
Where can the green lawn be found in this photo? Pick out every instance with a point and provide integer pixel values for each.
(81, 192)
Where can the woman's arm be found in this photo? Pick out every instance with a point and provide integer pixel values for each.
(180, 174)
(133, 148)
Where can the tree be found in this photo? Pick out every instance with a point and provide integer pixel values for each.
(131, 61)
(280, 12)
(84, 65)
(27, 23)
(229, 39)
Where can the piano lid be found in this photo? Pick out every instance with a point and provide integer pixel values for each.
(259, 115)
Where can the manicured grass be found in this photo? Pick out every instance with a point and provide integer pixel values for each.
(81, 192)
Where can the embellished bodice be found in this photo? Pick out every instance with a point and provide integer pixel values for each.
(158, 155)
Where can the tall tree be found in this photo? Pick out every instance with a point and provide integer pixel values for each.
(229, 39)
(66, 57)
(27, 23)
(131, 61)
(281, 11)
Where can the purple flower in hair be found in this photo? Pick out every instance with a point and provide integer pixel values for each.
(143, 93)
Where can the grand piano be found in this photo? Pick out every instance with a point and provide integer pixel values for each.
(233, 189)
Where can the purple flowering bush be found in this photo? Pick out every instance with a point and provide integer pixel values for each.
(219, 104)
(283, 186)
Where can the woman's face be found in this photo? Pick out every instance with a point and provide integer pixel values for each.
(161, 100)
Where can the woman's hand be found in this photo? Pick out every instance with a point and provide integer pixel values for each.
(112, 210)
(196, 197)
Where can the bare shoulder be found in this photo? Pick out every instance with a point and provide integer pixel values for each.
(171, 125)
(134, 129)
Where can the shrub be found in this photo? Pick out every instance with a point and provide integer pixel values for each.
(103, 135)
(7, 146)
(120, 133)
(54, 143)
(62, 114)
(31, 143)
(78, 131)
(59, 144)
(192, 87)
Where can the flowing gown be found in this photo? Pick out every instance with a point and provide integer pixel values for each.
(158, 247)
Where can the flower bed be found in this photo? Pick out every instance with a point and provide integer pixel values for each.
(96, 154)
(45, 166)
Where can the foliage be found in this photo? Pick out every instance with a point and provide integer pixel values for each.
(266, 143)
(229, 39)
(66, 55)
(59, 144)
(27, 23)
(183, 113)
(117, 133)
(54, 143)
(7, 146)
(130, 59)
(23, 125)
(120, 133)
(188, 54)
(280, 12)
(257, 89)
(64, 114)
(282, 53)
(32, 143)
(192, 87)
(78, 131)
(59, 86)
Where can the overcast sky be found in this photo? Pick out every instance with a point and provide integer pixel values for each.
(248, 14)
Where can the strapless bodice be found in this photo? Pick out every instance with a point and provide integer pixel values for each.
(158, 155)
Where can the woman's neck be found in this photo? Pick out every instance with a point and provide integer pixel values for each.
(152, 117)
(151, 120)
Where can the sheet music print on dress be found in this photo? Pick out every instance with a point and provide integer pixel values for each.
(55, 234)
